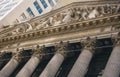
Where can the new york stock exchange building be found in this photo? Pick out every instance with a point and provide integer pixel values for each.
(75, 39)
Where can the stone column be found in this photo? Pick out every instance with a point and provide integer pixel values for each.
(80, 67)
(112, 68)
(55, 63)
(11, 65)
(31, 65)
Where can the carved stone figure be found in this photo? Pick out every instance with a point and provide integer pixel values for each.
(77, 14)
(84, 14)
(51, 20)
(45, 23)
(93, 14)
(113, 9)
(29, 27)
(100, 9)
(57, 19)
(118, 9)
(38, 26)
(68, 16)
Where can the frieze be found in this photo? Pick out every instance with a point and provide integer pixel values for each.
(59, 29)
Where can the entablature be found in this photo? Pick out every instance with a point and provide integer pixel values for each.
(79, 20)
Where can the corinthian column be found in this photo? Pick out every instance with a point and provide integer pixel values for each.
(31, 65)
(56, 61)
(79, 69)
(11, 65)
(112, 68)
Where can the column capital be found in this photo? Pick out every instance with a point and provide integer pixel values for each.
(2, 54)
(62, 47)
(18, 54)
(39, 51)
(89, 43)
(116, 39)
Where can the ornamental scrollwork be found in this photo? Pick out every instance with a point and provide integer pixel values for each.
(39, 51)
(89, 43)
(18, 54)
(62, 48)
(116, 39)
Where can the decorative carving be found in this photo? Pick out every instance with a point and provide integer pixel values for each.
(28, 27)
(117, 27)
(94, 13)
(18, 54)
(117, 9)
(68, 16)
(45, 23)
(78, 14)
(89, 44)
(62, 48)
(116, 39)
(57, 19)
(2, 54)
(39, 51)
(75, 13)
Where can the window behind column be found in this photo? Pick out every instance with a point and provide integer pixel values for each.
(44, 3)
(51, 2)
(39, 9)
(30, 12)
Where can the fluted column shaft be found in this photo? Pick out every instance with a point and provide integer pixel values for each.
(112, 68)
(31, 65)
(53, 66)
(28, 69)
(9, 68)
(79, 69)
(12, 64)
(55, 63)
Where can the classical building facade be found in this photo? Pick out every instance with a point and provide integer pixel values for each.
(80, 39)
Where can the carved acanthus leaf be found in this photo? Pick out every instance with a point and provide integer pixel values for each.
(18, 54)
(62, 48)
(116, 39)
(39, 51)
(89, 44)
